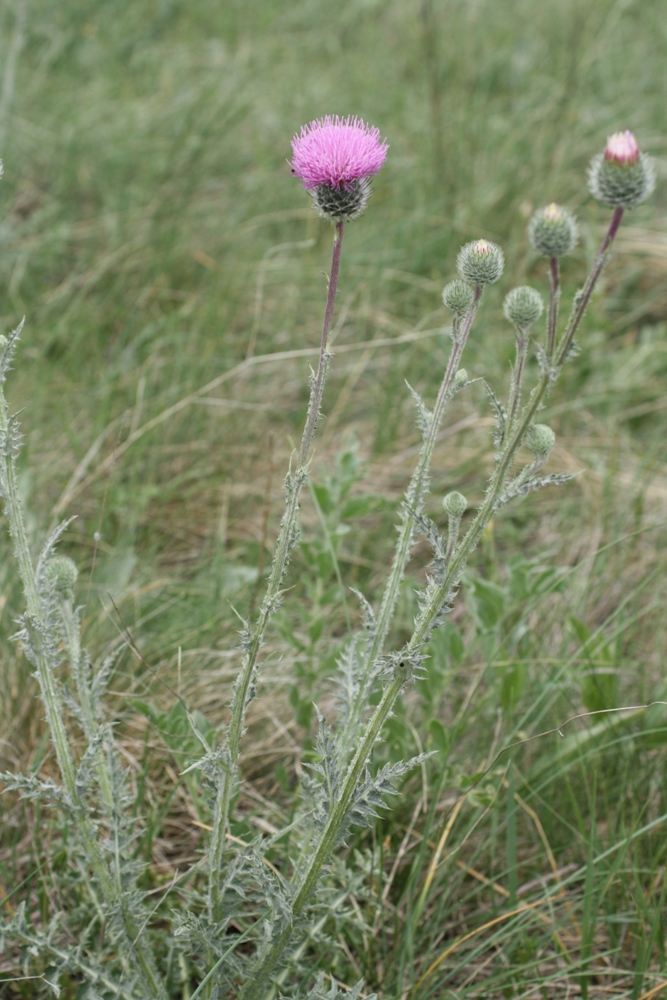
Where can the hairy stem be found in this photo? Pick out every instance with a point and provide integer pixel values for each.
(554, 300)
(414, 495)
(255, 635)
(522, 341)
(583, 298)
(38, 629)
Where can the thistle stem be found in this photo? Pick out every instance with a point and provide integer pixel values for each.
(582, 300)
(255, 636)
(37, 628)
(554, 301)
(418, 486)
(522, 340)
(414, 495)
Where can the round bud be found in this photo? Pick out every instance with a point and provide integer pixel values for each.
(62, 573)
(480, 263)
(347, 201)
(553, 231)
(461, 378)
(455, 505)
(539, 439)
(523, 306)
(621, 176)
(458, 296)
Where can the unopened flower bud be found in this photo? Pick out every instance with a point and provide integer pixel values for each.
(455, 505)
(552, 231)
(523, 306)
(622, 176)
(622, 148)
(480, 263)
(458, 296)
(62, 573)
(539, 439)
(460, 378)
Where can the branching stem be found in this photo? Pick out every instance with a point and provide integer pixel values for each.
(424, 624)
(414, 495)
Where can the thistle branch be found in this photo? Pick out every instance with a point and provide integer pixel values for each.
(403, 660)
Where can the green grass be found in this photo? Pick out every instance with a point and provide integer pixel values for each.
(155, 240)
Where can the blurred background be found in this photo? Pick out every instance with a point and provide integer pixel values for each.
(172, 275)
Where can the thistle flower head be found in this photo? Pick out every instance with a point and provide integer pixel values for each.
(523, 306)
(480, 262)
(335, 159)
(621, 148)
(458, 296)
(622, 176)
(553, 231)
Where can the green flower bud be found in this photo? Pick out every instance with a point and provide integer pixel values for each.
(523, 306)
(553, 231)
(458, 296)
(455, 505)
(539, 439)
(62, 573)
(460, 378)
(622, 176)
(480, 263)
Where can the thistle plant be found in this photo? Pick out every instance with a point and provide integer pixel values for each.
(334, 158)
(273, 908)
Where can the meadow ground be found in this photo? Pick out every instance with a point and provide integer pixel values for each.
(171, 273)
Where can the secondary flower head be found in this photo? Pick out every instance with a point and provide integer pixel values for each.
(622, 148)
(553, 231)
(523, 306)
(335, 159)
(621, 176)
(480, 262)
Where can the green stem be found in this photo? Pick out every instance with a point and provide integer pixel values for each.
(554, 300)
(414, 496)
(255, 637)
(517, 375)
(254, 985)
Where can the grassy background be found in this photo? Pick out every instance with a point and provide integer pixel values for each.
(155, 240)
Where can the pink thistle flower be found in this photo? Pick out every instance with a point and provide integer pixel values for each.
(621, 148)
(337, 152)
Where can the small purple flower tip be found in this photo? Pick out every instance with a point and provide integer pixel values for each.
(621, 148)
(336, 152)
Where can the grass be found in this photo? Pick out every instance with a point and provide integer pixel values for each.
(155, 240)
